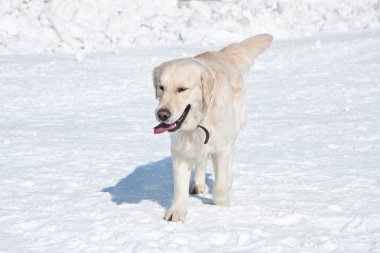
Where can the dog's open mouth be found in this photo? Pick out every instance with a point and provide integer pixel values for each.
(163, 127)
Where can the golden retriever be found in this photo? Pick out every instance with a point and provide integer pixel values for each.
(202, 105)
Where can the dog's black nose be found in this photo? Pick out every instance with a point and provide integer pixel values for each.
(163, 114)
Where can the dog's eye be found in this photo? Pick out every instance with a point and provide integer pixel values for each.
(181, 89)
(161, 87)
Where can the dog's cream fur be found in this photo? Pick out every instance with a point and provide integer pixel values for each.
(212, 84)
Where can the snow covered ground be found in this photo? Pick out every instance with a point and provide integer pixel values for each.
(81, 171)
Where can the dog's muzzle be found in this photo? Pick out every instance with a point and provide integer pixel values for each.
(163, 127)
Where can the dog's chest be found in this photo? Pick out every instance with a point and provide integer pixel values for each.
(190, 144)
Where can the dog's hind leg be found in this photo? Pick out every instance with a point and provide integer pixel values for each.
(198, 185)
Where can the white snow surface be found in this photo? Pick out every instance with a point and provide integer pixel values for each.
(81, 171)
(88, 25)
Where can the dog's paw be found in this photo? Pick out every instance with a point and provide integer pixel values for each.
(221, 198)
(222, 202)
(197, 189)
(176, 215)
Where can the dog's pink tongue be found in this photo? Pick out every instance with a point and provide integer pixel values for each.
(163, 127)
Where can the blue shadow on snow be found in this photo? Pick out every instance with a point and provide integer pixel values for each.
(153, 182)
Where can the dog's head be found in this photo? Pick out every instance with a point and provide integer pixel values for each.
(184, 89)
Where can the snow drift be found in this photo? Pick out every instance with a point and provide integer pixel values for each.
(85, 25)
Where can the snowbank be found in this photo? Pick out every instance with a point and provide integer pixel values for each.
(86, 25)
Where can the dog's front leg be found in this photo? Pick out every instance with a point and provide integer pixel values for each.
(181, 176)
(222, 163)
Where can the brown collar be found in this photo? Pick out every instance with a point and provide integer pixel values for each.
(206, 132)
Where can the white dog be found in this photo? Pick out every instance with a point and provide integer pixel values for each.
(202, 105)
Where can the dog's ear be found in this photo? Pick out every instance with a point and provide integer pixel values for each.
(156, 78)
(207, 84)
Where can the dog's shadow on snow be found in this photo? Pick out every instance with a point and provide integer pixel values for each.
(152, 182)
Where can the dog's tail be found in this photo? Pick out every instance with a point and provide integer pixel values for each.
(243, 54)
